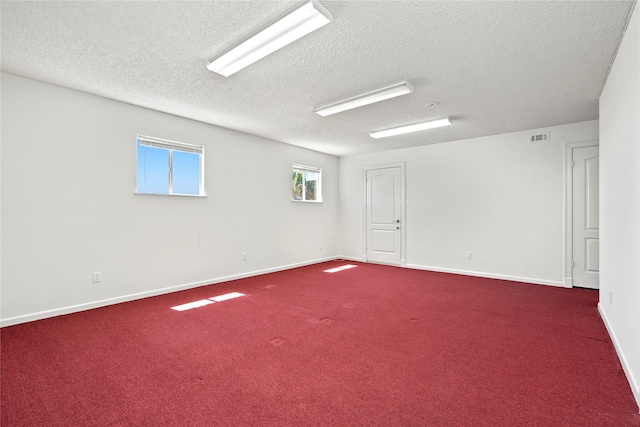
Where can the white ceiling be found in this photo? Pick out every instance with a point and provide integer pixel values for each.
(494, 67)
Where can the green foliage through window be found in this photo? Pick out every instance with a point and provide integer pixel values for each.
(306, 184)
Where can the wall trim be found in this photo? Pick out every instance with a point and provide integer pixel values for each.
(530, 280)
(132, 297)
(623, 360)
(352, 258)
(485, 275)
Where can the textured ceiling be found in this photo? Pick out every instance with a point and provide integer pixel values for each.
(494, 67)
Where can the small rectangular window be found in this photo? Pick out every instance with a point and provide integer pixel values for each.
(169, 167)
(307, 185)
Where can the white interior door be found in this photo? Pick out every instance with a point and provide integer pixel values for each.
(384, 215)
(586, 217)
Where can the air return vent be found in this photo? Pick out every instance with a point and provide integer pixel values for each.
(540, 137)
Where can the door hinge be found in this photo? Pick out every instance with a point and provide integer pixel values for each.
(573, 263)
(573, 164)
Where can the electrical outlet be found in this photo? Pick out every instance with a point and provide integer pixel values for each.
(244, 256)
(469, 255)
(96, 277)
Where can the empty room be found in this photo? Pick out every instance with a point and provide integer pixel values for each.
(320, 213)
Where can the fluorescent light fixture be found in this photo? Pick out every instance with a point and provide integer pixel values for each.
(411, 128)
(377, 95)
(298, 23)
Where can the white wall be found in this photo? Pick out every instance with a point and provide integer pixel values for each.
(620, 202)
(69, 209)
(499, 197)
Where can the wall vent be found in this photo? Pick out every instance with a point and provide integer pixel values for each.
(541, 137)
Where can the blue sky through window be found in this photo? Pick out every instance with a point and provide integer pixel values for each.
(153, 170)
(186, 172)
(154, 177)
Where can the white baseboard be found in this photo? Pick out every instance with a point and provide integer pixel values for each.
(469, 273)
(352, 258)
(116, 300)
(487, 275)
(623, 360)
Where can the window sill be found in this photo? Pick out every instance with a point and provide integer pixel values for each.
(306, 201)
(204, 196)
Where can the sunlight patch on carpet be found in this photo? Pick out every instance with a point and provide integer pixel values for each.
(190, 305)
(344, 267)
(227, 296)
(203, 302)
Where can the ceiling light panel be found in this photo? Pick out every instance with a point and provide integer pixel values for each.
(411, 128)
(298, 23)
(370, 97)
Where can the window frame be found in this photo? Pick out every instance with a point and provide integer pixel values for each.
(303, 169)
(171, 146)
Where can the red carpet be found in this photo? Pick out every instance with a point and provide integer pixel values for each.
(372, 345)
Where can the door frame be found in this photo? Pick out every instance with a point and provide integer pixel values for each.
(403, 225)
(568, 206)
